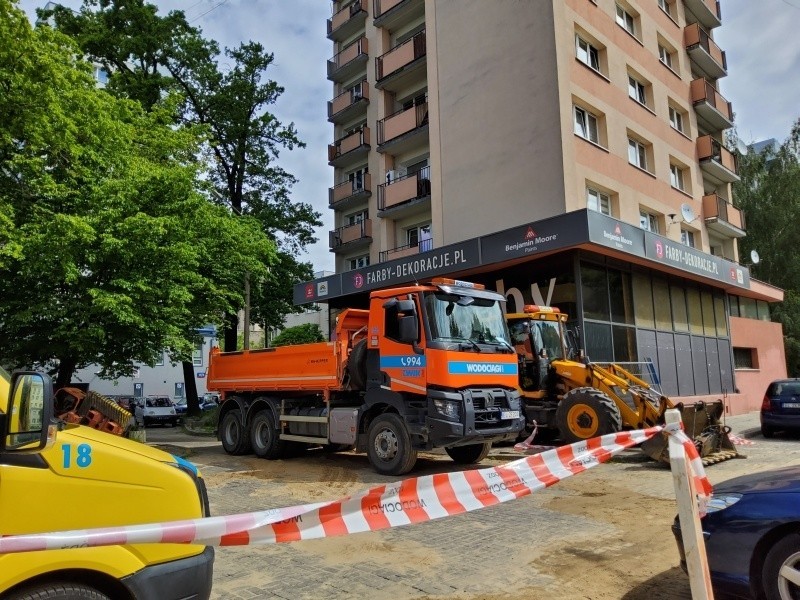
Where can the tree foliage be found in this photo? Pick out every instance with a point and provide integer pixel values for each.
(769, 195)
(149, 55)
(306, 333)
(109, 252)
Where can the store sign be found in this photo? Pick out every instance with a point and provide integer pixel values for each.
(318, 290)
(615, 234)
(534, 238)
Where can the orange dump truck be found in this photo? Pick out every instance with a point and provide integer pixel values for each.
(426, 366)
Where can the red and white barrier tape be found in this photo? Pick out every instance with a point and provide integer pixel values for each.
(413, 500)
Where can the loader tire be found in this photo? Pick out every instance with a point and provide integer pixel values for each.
(264, 436)
(585, 413)
(233, 433)
(469, 455)
(357, 365)
(59, 591)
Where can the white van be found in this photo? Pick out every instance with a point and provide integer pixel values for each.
(155, 410)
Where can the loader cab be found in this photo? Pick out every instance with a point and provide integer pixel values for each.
(539, 338)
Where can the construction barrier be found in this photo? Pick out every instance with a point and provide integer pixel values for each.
(413, 500)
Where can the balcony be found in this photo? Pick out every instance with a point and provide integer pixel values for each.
(350, 148)
(722, 217)
(407, 250)
(404, 130)
(714, 112)
(706, 11)
(718, 163)
(351, 237)
(347, 21)
(402, 65)
(350, 193)
(393, 14)
(349, 61)
(705, 54)
(349, 103)
(405, 195)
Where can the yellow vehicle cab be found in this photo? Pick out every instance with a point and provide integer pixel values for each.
(81, 478)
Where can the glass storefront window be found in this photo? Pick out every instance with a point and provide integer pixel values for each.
(599, 346)
(719, 312)
(661, 301)
(695, 311)
(680, 317)
(621, 295)
(763, 310)
(748, 308)
(708, 313)
(733, 304)
(643, 298)
(594, 286)
(624, 344)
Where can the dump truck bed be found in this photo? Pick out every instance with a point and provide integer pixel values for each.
(305, 367)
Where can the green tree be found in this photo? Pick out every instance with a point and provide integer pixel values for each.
(769, 195)
(110, 254)
(299, 334)
(148, 55)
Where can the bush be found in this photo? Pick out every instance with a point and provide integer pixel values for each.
(300, 334)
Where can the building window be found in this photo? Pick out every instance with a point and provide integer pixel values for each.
(637, 154)
(626, 20)
(160, 360)
(687, 238)
(356, 218)
(598, 201)
(743, 358)
(666, 7)
(358, 262)
(357, 178)
(419, 236)
(637, 90)
(676, 119)
(586, 125)
(587, 54)
(676, 179)
(648, 221)
(197, 355)
(665, 56)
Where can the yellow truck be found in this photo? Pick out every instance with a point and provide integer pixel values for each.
(56, 477)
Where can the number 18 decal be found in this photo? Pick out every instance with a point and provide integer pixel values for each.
(83, 458)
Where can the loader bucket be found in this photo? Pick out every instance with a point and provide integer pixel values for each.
(701, 422)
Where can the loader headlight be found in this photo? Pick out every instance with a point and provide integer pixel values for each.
(448, 408)
(722, 502)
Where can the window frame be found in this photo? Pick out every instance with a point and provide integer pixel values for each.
(588, 116)
(676, 115)
(353, 262)
(687, 238)
(676, 177)
(601, 199)
(648, 221)
(626, 20)
(637, 90)
(641, 154)
(591, 51)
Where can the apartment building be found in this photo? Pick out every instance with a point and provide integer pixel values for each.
(560, 151)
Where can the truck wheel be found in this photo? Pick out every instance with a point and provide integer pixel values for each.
(59, 591)
(781, 568)
(389, 446)
(264, 436)
(357, 365)
(585, 413)
(468, 455)
(233, 433)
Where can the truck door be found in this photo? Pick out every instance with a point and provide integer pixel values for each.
(402, 359)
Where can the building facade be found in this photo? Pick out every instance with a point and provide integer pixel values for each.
(585, 135)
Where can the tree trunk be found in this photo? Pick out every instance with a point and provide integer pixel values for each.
(190, 389)
(231, 332)
(66, 368)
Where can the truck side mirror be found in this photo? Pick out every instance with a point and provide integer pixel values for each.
(26, 427)
(409, 328)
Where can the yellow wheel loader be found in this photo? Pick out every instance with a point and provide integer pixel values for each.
(574, 399)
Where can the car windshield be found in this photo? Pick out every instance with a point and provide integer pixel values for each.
(465, 318)
(159, 402)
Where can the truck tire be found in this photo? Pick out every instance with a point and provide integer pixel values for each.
(389, 445)
(468, 455)
(357, 365)
(585, 413)
(59, 591)
(233, 433)
(264, 436)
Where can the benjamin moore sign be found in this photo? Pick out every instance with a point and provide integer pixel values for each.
(534, 238)
(615, 234)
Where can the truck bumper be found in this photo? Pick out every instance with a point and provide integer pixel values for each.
(484, 416)
(184, 579)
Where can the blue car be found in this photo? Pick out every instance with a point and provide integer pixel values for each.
(780, 410)
(752, 536)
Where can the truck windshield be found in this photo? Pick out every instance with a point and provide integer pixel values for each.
(465, 318)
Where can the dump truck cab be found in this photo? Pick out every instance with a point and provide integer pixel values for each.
(57, 477)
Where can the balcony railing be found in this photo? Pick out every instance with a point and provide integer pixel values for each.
(383, 6)
(353, 141)
(347, 20)
(716, 161)
(346, 62)
(711, 105)
(402, 122)
(706, 11)
(359, 187)
(723, 217)
(405, 189)
(400, 56)
(407, 250)
(704, 51)
(356, 234)
(340, 107)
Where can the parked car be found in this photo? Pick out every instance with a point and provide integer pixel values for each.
(780, 409)
(752, 536)
(156, 410)
(181, 407)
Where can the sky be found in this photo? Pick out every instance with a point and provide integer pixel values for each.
(758, 36)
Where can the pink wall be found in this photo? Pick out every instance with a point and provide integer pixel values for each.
(767, 339)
